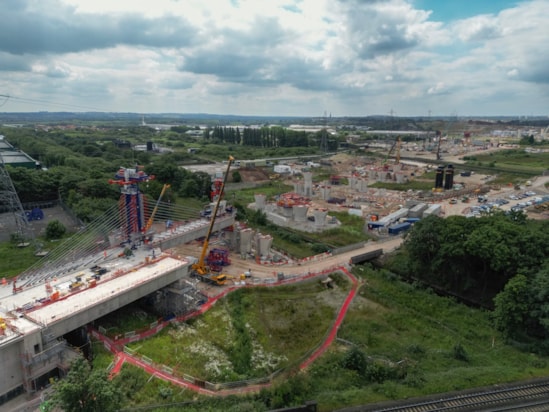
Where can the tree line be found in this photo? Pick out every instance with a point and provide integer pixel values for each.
(499, 262)
(77, 169)
(265, 136)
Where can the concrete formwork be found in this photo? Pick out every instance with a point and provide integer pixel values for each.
(320, 216)
(325, 192)
(246, 236)
(300, 213)
(358, 184)
(307, 184)
(400, 177)
(352, 182)
(264, 243)
(259, 201)
(286, 212)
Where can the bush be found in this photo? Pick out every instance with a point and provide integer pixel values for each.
(236, 176)
(459, 353)
(55, 230)
(355, 360)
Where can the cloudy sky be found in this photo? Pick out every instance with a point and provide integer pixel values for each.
(276, 57)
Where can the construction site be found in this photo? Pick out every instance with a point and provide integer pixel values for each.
(177, 259)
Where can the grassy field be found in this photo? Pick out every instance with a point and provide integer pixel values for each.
(249, 334)
(509, 166)
(270, 190)
(14, 260)
(397, 341)
(441, 345)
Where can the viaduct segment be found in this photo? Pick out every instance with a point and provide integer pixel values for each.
(36, 316)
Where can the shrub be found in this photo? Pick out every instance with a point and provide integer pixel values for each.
(459, 353)
(55, 230)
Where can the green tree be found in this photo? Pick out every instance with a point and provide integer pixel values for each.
(55, 230)
(539, 315)
(236, 176)
(512, 307)
(355, 360)
(86, 390)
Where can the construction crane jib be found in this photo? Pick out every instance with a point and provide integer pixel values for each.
(200, 266)
(151, 218)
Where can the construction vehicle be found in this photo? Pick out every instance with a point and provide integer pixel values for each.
(153, 213)
(217, 258)
(395, 145)
(200, 269)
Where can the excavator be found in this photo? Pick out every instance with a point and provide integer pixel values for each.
(200, 269)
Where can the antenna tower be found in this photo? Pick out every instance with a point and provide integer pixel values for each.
(11, 203)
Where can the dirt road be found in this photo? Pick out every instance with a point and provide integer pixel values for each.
(239, 265)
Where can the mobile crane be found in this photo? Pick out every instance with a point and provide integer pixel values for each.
(200, 269)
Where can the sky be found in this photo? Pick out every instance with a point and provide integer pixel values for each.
(276, 57)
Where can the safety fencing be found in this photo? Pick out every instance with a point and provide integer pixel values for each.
(124, 353)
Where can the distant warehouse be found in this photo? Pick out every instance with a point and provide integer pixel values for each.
(15, 158)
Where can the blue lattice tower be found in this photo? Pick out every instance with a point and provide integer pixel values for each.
(132, 202)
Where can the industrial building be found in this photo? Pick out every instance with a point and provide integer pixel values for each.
(16, 158)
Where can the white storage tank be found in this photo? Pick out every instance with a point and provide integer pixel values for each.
(282, 169)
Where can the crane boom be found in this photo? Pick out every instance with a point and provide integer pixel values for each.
(151, 218)
(200, 266)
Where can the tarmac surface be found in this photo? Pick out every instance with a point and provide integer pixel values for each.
(8, 224)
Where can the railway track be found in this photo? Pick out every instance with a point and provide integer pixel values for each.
(527, 397)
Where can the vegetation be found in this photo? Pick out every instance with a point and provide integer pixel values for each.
(474, 258)
(497, 261)
(15, 260)
(300, 244)
(55, 230)
(249, 334)
(398, 340)
(86, 390)
(420, 342)
(509, 166)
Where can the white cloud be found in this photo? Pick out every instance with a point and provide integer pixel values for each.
(286, 57)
